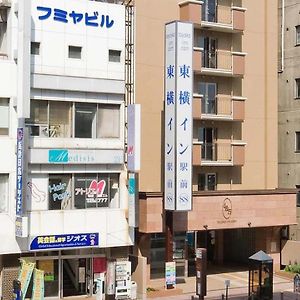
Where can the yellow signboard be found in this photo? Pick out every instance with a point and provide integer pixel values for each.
(25, 275)
(38, 290)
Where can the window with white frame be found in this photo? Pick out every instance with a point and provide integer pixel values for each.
(3, 193)
(297, 141)
(297, 88)
(59, 119)
(4, 116)
(298, 35)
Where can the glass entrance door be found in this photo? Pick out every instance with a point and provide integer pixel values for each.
(209, 53)
(76, 277)
(207, 136)
(209, 92)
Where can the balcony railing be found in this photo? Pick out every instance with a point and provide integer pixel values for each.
(226, 18)
(219, 153)
(216, 152)
(219, 62)
(222, 107)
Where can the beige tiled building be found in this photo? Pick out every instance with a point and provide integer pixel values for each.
(234, 133)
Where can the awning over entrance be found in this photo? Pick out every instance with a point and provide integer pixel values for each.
(222, 210)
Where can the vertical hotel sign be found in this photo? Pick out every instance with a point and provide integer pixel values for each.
(178, 115)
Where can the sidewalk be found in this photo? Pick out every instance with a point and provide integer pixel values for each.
(216, 287)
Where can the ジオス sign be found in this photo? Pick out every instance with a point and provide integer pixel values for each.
(78, 240)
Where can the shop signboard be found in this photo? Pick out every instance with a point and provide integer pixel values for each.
(134, 137)
(25, 275)
(132, 201)
(201, 273)
(171, 273)
(92, 191)
(63, 241)
(178, 115)
(19, 182)
(38, 290)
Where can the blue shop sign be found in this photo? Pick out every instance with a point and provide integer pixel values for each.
(92, 19)
(78, 240)
(58, 156)
(19, 181)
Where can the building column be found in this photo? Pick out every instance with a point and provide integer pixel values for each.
(219, 246)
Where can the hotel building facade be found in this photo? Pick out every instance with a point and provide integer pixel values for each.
(237, 208)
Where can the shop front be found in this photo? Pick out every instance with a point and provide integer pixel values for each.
(70, 273)
(230, 225)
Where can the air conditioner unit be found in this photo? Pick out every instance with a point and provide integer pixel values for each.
(5, 3)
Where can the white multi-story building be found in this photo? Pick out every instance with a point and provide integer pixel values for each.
(63, 176)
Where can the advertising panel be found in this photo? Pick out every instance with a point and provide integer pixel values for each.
(178, 115)
(38, 290)
(78, 240)
(170, 100)
(92, 191)
(134, 137)
(19, 182)
(170, 273)
(184, 117)
(25, 275)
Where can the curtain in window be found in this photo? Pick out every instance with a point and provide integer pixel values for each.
(108, 121)
(60, 119)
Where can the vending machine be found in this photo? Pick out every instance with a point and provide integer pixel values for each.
(123, 280)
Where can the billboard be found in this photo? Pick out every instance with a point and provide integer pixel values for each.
(178, 115)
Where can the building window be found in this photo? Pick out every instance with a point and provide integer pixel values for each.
(114, 56)
(35, 48)
(207, 182)
(4, 116)
(3, 193)
(50, 119)
(108, 121)
(298, 35)
(3, 33)
(85, 120)
(298, 141)
(75, 52)
(297, 88)
(59, 192)
(54, 119)
(95, 190)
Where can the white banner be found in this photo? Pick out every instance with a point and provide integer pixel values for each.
(178, 115)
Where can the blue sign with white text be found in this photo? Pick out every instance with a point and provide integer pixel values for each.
(19, 182)
(58, 156)
(78, 240)
(93, 19)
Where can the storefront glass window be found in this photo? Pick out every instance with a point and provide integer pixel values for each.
(50, 268)
(59, 192)
(92, 190)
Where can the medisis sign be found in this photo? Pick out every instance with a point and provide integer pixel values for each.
(178, 115)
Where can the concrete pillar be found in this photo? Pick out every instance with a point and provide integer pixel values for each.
(220, 246)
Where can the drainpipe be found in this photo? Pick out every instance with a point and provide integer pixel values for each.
(282, 33)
